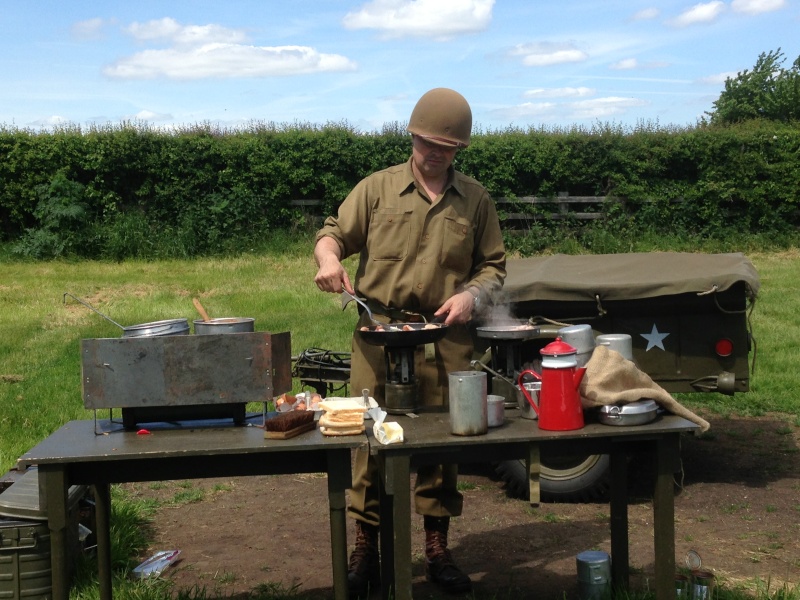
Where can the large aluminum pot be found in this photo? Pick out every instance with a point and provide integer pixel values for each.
(224, 325)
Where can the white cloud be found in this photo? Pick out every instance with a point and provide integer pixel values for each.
(437, 19)
(754, 7)
(526, 110)
(699, 13)
(564, 92)
(624, 64)
(596, 108)
(545, 54)
(89, 29)
(51, 121)
(149, 115)
(717, 79)
(225, 61)
(170, 31)
(212, 51)
(600, 108)
(627, 64)
(646, 14)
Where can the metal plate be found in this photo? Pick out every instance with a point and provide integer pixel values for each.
(397, 338)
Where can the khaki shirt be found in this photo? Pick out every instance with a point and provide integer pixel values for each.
(415, 254)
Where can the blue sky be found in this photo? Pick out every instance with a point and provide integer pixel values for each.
(519, 62)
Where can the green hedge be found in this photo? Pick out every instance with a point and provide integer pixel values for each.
(129, 190)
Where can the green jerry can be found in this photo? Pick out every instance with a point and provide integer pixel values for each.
(25, 572)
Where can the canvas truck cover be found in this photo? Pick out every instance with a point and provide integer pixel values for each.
(631, 276)
(686, 313)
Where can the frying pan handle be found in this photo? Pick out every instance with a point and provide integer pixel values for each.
(90, 307)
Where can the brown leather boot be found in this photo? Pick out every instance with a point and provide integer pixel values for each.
(364, 571)
(439, 566)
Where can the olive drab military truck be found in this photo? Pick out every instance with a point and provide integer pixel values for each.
(687, 315)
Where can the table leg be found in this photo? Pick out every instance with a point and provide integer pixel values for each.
(534, 471)
(53, 483)
(102, 499)
(398, 489)
(619, 520)
(386, 534)
(339, 479)
(668, 449)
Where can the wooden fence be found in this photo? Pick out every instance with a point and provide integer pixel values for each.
(518, 212)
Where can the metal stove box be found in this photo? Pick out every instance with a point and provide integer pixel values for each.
(687, 314)
(185, 377)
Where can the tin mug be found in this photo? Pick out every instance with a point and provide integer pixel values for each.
(526, 411)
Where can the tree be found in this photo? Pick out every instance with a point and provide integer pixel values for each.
(767, 92)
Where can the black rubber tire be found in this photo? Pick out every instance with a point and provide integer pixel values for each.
(561, 480)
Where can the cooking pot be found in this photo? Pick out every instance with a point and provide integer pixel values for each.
(157, 328)
(152, 329)
(632, 413)
(224, 325)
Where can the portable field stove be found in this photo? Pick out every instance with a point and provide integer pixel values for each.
(400, 341)
(506, 356)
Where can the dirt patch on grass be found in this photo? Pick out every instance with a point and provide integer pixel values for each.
(737, 505)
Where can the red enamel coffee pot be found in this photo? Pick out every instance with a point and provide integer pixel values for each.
(559, 401)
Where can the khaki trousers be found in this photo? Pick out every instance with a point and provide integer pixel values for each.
(435, 491)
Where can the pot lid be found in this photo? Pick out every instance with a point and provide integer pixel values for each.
(558, 348)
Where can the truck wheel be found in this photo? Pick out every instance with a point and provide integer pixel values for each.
(578, 479)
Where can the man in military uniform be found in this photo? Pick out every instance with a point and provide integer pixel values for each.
(429, 242)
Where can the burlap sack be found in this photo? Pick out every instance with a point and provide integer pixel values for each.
(612, 379)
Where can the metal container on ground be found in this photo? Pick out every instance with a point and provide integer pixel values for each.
(224, 325)
(702, 585)
(594, 574)
(683, 588)
(25, 571)
(468, 407)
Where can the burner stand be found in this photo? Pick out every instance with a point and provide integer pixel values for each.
(401, 383)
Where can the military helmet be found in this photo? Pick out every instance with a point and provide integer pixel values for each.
(443, 117)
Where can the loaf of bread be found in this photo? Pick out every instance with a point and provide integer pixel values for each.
(342, 417)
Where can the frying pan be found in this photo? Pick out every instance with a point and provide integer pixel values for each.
(397, 338)
(521, 330)
(155, 328)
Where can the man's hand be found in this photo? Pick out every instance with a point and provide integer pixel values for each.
(458, 308)
(331, 275)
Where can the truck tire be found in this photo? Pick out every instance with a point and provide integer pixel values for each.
(577, 479)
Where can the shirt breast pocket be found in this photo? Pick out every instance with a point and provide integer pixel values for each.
(457, 245)
(389, 234)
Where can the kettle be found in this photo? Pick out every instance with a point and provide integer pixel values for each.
(559, 401)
